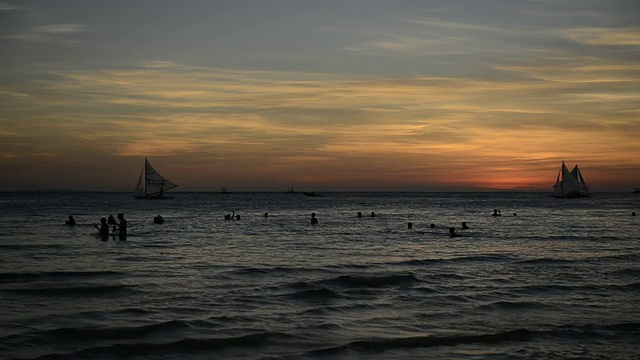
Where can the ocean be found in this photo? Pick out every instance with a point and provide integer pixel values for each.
(559, 280)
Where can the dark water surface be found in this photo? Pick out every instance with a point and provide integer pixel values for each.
(561, 280)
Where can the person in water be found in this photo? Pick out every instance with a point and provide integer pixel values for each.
(464, 225)
(103, 229)
(112, 221)
(158, 220)
(373, 214)
(496, 212)
(359, 214)
(71, 221)
(633, 213)
(314, 221)
(122, 227)
(452, 232)
(410, 225)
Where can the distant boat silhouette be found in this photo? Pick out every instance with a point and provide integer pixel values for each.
(570, 184)
(636, 191)
(290, 190)
(223, 190)
(311, 193)
(151, 185)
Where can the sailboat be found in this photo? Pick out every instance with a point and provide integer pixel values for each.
(151, 185)
(570, 184)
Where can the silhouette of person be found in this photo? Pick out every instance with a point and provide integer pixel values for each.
(103, 229)
(265, 214)
(314, 221)
(410, 225)
(515, 214)
(633, 213)
(112, 221)
(496, 212)
(452, 232)
(158, 220)
(359, 214)
(237, 217)
(432, 226)
(464, 225)
(71, 221)
(373, 214)
(122, 227)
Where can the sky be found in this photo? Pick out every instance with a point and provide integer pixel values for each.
(349, 95)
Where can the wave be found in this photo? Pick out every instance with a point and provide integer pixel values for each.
(380, 281)
(70, 291)
(546, 261)
(585, 332)
(31, 246)
(460, 259)
(314, 294)
(511, 305)
(626, 257)
(52, 275)
(187, 345)
(538, 289)
(82, 334)
(379, 345)
(627, 271)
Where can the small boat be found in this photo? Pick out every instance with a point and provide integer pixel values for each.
(311, 193)
(290, 190)
(151, 185)
(636, 191)
(570, 184)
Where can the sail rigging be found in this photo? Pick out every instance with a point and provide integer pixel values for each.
(151, 184)
(570, 183)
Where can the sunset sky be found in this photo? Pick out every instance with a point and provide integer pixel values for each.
(319, 95)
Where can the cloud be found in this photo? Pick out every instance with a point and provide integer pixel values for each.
(51, 33)
(605, 36)
(61, 28)
(415, 124)
(7, 7)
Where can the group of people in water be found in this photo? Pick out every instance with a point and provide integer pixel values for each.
(120, 228)
(108, 226)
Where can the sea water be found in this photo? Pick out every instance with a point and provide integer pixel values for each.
(549, 279)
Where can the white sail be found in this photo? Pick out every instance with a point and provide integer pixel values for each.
(139, 191)
(570, 183)
(151, 183)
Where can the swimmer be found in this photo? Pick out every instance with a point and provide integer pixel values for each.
(314, 221)
(496, 212)
(452, 232)
(464, 225)
(103, 229)
(71, 221)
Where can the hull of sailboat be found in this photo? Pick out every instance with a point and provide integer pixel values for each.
(149, 197)
(572, 195)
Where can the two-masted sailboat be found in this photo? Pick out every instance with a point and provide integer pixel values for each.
(151, 185)
(570, 184)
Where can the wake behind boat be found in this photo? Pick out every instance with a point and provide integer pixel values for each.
(570, 184)
(151, 185)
